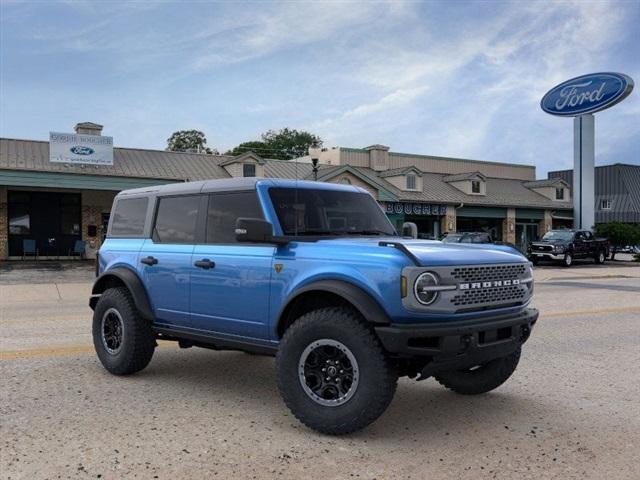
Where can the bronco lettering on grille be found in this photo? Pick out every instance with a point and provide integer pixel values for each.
(495, 283)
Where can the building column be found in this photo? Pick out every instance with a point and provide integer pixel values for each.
(509, 227)
(91, 216)
(4, 225)
(546, 224)
(448, 221)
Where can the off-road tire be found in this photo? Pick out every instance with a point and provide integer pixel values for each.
(138, 340)
(567, 261)
(600, 257)
(377, 376)
(482, 379)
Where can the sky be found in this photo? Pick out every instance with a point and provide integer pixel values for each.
(451, 78)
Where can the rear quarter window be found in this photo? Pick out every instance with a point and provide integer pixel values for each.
(129, 217)
(176, 219)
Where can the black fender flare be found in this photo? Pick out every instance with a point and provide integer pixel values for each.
(133, 284)
(362, 301)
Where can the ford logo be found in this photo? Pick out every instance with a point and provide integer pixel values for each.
(79, 150)
(587, 94)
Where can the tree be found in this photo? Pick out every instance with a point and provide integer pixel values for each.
(289, 144)
(188, 141)
(259, 148)
(284, 144)
(619, 235)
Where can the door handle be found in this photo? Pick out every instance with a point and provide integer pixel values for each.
(149, 260)
(205, 263)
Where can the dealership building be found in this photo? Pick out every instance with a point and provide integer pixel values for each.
(51, 198)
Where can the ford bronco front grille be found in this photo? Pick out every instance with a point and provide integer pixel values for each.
(492, 285)
(489, 273)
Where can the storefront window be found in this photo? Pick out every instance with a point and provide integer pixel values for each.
(19, 213)
(19, 220)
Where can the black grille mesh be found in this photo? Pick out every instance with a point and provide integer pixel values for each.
(488, 273)
(512, 293)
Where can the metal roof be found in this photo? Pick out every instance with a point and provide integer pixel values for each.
(463, 176)
(547, 182)
(394, 172)
(620, 184)
(33, 155)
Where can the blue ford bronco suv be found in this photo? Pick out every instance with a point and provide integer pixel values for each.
(315, 274)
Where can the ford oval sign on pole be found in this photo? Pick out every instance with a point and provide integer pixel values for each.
(580, 97)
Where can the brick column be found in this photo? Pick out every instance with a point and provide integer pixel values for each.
(94, 204)
(545, 224)
(509, 226)
(4, 225)
(448, 221)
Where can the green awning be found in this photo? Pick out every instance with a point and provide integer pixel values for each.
(482, 212)
(29, 178)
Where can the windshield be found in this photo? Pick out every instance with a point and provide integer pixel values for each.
(558, 235)
(328, 212)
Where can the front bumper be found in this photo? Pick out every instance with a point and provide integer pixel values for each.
(547, 255)
(455, 345)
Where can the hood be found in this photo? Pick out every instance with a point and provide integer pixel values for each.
(435, 253)
(432, 253)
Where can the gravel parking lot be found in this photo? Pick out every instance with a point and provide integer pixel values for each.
(570, 411)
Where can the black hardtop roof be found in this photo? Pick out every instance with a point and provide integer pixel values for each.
(228, 185)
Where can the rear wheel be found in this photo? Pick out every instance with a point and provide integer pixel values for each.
(123, 340)
(481, 378)
(332, 372)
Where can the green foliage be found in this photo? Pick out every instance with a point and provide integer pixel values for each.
(619, 234)
(259, 148)
(284, 144)
(189, 141)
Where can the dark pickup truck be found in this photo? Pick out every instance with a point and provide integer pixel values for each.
(566, 245)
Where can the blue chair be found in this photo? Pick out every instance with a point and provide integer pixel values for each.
(29, 248)
(79, 248)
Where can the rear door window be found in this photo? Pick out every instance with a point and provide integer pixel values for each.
(176, 219)
(224, 211)
(129, 217)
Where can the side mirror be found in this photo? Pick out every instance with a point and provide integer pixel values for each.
(409, 229)
(254, 230)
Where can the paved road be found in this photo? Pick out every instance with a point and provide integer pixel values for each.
(570, 411)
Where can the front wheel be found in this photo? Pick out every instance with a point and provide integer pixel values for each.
(600, 257)
(332, 372)
(567, 261)
(481, 378)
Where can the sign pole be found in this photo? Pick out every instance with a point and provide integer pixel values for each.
(579, 98)
(583, 171)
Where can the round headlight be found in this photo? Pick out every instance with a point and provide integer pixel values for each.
(423, 288)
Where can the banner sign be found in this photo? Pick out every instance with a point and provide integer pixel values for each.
(414, 208)
(587, 94)
(80, 149)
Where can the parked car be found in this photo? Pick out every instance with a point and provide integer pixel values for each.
(467, 237)
(314, 274)
(565, 246)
